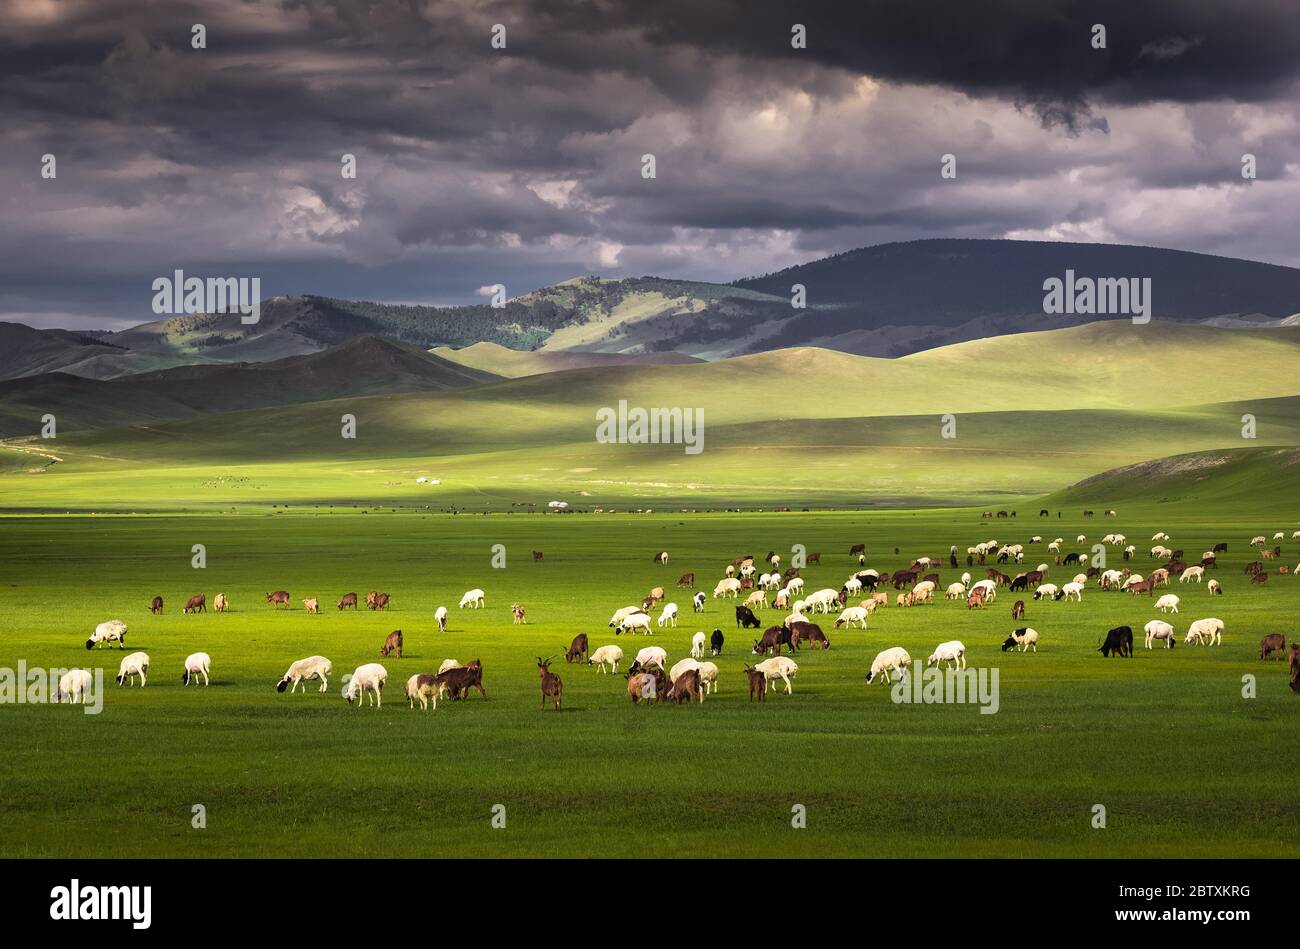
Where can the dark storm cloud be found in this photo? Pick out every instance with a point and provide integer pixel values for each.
(523, 166)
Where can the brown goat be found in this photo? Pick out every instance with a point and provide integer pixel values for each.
(1272, 643)
(552, 687)
(156, 606)
(377, 601)
(278, 597)
(348, 599)
(687, 687)
(457, 682)
(537, 555)
(196, 604)
(1018, 609)
(757, 684)
(392, 644)
(1293, 663)
(686, 580)
(577, 649)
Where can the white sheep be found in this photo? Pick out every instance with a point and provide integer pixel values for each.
(112, 631)
(449, 664)
(473, 599)
(697, 644)
(757, 600)
(851, 615)
(680, 666)
(1081, 539)
(440, 614)
(624, 613)
(955, 591)
(989, 587)
(630, 624)
(313, 667)
(606, 655)
(728, 587)
(1192, 573)
(1073, 589)
(136, 664)
(950, 652)
(708, 677)
(794, 585)
(368, 682)
(1216, 590)
(822, 600)
(1159, 629)
(655, 655)
(888, 662)
(965, 579)
(669, 615)
(1045, 591)
(196, 665)
(853, 586)
(1258, 539)
(778, 667)
(1208, 630)
(1167, 603)
(73, 683)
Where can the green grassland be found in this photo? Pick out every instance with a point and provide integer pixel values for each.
(1183, 763)
(1147, 420)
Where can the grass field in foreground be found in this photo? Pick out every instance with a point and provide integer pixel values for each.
(1165, 741)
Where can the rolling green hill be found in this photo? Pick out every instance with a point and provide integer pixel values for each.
(1033, 414)
(513, 363)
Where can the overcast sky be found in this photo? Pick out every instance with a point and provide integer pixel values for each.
(522, 166)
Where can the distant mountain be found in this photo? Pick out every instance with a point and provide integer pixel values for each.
(363, 366)
(25, 351)
(887, 300)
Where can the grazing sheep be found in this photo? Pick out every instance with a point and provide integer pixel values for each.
(422, 687)
(1159, 629)
(1073, 589)
(1214, 587)
(822, 601)
(680, 666)
(708, 677)
(630, 624)
(311, 605)
(697, 645)
(473, 599)
(988, 586)
(313, 667)
(950, 652)
(1192, 573)
(1046, 591)
(73, 683)
(1026, 638)
(1209, 631)
(955, 591)
(852, 586)
(449, 664)
(779, 667)
(606, 655)
(889, 661)
(668, 616)
(367, 682)
(697, 602)
(651, 655)
(727, 587)
(757, 600)
(854, 614)
(624, 613)
(196, 665)
(795, 586)
(112, 631)
(1168, 603)
(440, 615)
(136, 664)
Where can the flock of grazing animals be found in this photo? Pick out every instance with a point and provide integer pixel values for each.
(650, 679)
